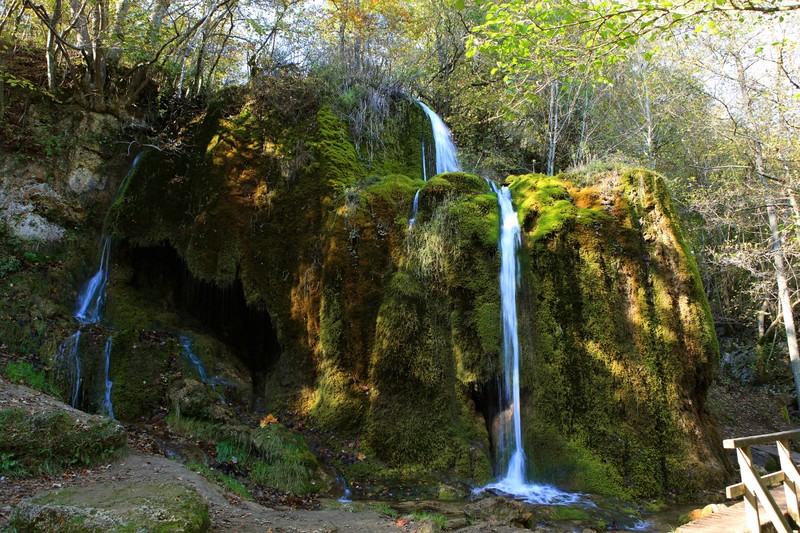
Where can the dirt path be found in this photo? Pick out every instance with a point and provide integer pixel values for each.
(227, 512)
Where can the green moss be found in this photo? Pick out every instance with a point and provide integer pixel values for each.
(141, 366)
(26, 373)
(563, 512)
(610, 344)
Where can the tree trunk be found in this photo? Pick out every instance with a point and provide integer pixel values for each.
(649, 129)
(52, 83)
(552, 128)
(783, 287)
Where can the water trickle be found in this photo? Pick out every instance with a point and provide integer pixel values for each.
(189, 355)
(108, 409)
(346, 495)
(446, 158)
(67, 356)
(92, 297)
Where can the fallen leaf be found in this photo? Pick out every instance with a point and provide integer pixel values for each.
(267, 420)
(401, 522)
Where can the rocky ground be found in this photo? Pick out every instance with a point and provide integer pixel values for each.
(740, 411)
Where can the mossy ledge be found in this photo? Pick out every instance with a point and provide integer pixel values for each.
(392, 335)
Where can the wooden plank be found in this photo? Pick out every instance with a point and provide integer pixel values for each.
(770, 480)
(761, 439)
(752, 480)
(729, 520)
(751, 515)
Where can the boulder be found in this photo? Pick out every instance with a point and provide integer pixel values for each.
(499, 510)
(114, 507)
(39, 434)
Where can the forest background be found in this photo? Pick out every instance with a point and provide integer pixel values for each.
(706, 93)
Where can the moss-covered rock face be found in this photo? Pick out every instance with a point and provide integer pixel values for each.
(621, 344)
(371, 329)
(138, 507)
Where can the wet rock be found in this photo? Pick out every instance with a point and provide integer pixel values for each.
(499, 510)
(193, 399)
(117, 507)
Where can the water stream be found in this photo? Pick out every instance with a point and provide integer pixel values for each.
(510, 438)
(89, 306)
(189, 355)
(108, 409)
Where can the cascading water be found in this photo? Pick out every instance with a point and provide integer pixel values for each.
(108, 409)
(92, 297)
(89, 310)
(68, 355)
(446, 159)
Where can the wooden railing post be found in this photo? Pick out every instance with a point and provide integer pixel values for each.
(752, 519)
(791, 480)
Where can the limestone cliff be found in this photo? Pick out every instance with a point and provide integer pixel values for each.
(270, 231)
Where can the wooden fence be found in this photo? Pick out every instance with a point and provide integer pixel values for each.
(755, 488)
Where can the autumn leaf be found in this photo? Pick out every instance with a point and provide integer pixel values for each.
(267, 420)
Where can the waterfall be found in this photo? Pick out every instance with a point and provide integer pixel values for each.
(446, 158)
(108, 409)
(92, 297)
(510, 437)
(509, 280)
(89, 307)
(514, 481)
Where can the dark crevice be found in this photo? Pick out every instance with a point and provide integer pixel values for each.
(222, 311)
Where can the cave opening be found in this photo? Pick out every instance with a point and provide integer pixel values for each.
(221, 311)
(486, 398)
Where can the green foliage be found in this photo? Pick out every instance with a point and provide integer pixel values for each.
(10, 467)
(384, 508)
(26, 373)
(438, 519)
(273, 455)
(9, 265)
(229, 482)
